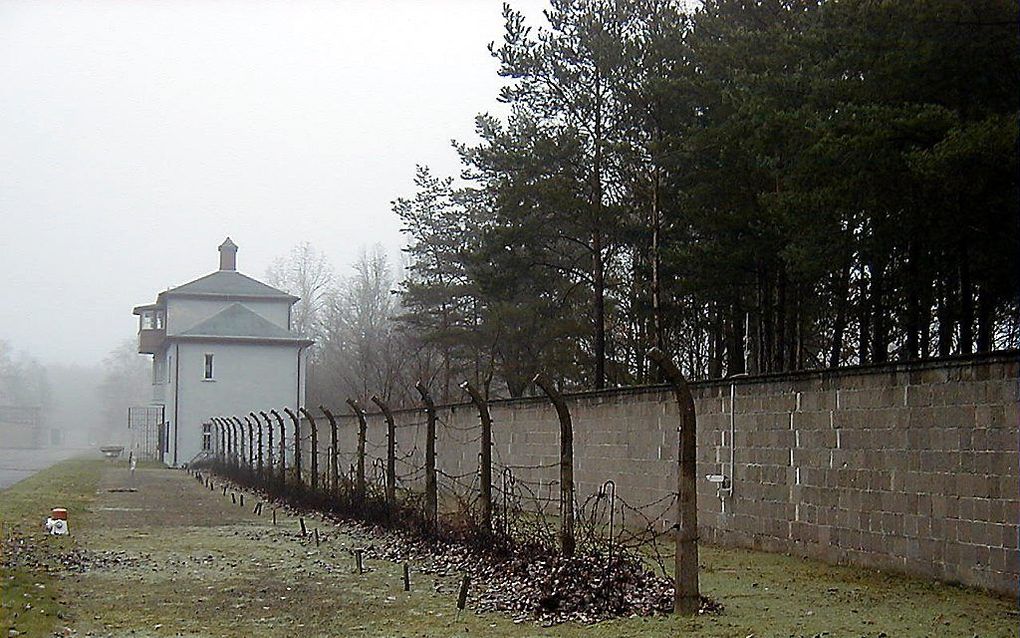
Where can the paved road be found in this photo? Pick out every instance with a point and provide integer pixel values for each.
(16, 465)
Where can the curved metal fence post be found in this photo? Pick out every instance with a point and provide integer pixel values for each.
(332, 459)
(687, 599)
(269, 447)
(225, 438)
(228, 441)
(484, 457)
(391, 447)
(217, 437)
(240, 441)
(359, 485)
(431, 488)
(251, 444)
(258, 446)
(297, 444)
(283, 447)
(314, 451)
(567, 541)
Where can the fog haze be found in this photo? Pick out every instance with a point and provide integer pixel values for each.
(135, 136)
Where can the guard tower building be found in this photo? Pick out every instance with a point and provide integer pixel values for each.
(220, 345)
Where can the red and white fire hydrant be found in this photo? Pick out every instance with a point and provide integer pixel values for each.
(56, 524)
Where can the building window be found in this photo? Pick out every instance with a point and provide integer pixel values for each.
(208, 367)
(153, 320)
(207, 436)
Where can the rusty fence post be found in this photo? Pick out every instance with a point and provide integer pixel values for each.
(359, 485)
(332, 459)
(484, 456)
(687, 599)
(567, 542)
(314, 451)
(283, 447)
(258, 447)
(269, 447)
(297, 444)
(391, 448)
(431, 488)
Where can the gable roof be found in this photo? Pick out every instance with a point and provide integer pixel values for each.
(228, 283)
(237, 321)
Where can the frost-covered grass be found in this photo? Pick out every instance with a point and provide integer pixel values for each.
(31, 594)
(176, 558)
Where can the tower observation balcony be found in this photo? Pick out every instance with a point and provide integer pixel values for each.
(151, 328)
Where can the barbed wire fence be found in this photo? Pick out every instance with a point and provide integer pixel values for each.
(504, 507)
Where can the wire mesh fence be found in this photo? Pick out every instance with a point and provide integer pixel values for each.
(439, 475)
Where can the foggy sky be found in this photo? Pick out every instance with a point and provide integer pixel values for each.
(135, 136)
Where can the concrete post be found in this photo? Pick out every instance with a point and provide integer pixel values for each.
(283, 447)
(334, 459)
(431, 487)
(258, 447)
(567, 542)
(240, 440)
(687, 598)
(251, 444)
(391, 446)
(484, 456)
(269, 447)
(314, 452)
(297, 444)
(359, 485)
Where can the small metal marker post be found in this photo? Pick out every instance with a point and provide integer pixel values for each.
(304, 530)
(359, 555)
(465, 582)
(407, 577)
(316, 534)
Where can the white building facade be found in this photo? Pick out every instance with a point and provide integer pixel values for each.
(221, 345)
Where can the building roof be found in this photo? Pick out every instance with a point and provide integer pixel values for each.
(237, 321)
(228, 283)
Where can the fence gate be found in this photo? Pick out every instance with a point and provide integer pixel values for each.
(145, 424)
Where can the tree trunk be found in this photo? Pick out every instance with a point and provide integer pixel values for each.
(656, 264)
(841, 290)
(779, 352)
(598, 267)
(913, 327)
(715, 361)
(946, 315)
(735, 327)
(966, 304)
(985, 319)
(864, 347)
(880, 330)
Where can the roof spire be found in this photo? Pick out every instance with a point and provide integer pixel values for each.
(228, 255)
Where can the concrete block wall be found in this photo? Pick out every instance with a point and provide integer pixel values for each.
(908, 467)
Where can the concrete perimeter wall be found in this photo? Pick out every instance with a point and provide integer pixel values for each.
(908, 467)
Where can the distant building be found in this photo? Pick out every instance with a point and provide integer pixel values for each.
(220, 345)
(24, 427)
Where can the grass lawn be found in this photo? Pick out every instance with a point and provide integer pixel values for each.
(175, 558)
(30, 593)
